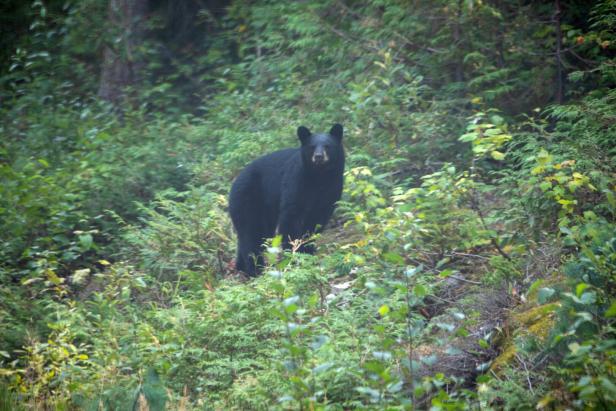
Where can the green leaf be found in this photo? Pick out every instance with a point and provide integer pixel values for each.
(609, 387)
(468, 137)
(574, 347)
(462, 332)
(545, 185)
(545, 294)
(383, 310)
(291, 308)
(532, 290)
(395, 387)
(484, 379)
(140, 282)
(86, 241)
(446, 273)
(277, 241)
(80, 276)
(611, 312)
(322, 368)
(497, 155)
(420, 291)
(497, 120)
(31, 280)
(442, 262)
(579, 289)
(369, 391)
(393, 258)
(588, 298)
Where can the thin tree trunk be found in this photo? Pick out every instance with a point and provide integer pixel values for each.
(500, 42)
(457, 41)
(560, 80)
(121, 64)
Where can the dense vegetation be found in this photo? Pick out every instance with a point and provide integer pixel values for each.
(471, 263)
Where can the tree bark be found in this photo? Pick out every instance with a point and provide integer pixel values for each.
(121, 63)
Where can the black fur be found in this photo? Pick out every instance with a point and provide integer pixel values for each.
(291, 192)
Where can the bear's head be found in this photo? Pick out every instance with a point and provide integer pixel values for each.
(322, 151)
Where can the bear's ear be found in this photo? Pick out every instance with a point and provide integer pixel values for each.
(304, 134)
(336, 131)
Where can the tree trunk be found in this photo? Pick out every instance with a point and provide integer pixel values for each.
(560, 79)
(457, 42)
(121, 63)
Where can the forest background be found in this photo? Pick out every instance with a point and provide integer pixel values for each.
(471, 262)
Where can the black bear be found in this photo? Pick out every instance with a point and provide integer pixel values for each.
(290, 192)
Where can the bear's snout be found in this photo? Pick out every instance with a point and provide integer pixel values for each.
(320, 157)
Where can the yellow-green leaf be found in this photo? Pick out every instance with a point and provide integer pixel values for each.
(611, 312)
(383, 310)
(497, 155)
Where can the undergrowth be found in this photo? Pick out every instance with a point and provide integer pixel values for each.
(470, 263)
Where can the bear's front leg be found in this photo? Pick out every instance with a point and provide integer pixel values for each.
(290, 228)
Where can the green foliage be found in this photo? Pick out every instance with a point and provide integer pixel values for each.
(468, 191)
(486, 137)
(181, 232)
